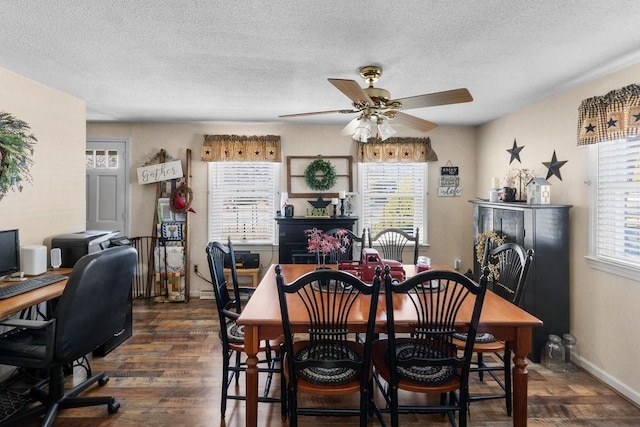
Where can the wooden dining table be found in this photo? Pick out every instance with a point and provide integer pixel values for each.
(261, 320)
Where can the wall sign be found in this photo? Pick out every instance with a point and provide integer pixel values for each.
(160, 172)
(449, 185)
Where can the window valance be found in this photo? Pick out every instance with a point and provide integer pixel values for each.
(615, 115)
(394, 150)
(236, 148)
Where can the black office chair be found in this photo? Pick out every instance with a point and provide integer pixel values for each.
(325, 358)
(91, 309)
(350, 242)
(231, 334)
(423, 358)
(392, 242)
(508, 267)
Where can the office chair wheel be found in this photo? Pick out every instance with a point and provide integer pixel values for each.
(102, 381)
(113, 407)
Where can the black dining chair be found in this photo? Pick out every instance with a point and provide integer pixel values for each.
(324, 357)
(231, 334)
(419, 355)
(92, 308)
(393, 241)
(508, 267)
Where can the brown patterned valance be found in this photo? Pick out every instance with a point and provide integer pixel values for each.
(236, 148)
(615, 115)
(393, 150)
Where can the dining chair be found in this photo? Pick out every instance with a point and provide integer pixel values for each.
(508, 266)
(419, 355)
(392, 243)
(323, 357)
(350, 241)
(231, 334)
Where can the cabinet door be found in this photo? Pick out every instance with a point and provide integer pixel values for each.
(510, 223)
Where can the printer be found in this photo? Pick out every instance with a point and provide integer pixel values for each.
(74, 246)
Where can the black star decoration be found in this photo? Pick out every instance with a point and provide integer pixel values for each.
(515, 152)
(554, 166)
(590, 128)
(637, 117)
(612, 123)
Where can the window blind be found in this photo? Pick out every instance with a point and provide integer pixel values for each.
(617, 227)
(393, 195)
(242, 201)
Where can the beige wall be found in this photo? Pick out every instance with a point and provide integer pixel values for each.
(603, 307)
(449, 228)
(55, 203)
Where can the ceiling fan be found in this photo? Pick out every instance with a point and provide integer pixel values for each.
(375, 107)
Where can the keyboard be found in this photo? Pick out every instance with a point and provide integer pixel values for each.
(17, 288)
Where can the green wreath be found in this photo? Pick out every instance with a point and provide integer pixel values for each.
(320, 175)
(16, 149)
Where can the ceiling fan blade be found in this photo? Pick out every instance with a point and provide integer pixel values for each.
(414, 122)
(320, 112)
(454, 96)
(350, 128)
(352, 89)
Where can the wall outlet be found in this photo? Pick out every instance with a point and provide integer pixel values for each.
(457, 264)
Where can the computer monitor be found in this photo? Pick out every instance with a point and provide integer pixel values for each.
(9, 252)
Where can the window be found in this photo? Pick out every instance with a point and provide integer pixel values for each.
(615, 207)
(242, 201)
(394, 195)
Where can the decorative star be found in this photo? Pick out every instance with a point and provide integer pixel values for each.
(554, 166)
(611, 123)
(637, 117)
(590, 128)
(515, 152)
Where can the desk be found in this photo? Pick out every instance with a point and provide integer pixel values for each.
(261, 320)
(14, 304)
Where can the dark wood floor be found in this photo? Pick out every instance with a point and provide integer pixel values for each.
(168, 374)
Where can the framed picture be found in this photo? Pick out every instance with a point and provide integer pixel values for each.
(165, 214)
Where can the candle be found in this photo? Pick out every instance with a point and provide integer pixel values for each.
(334, 201)
(342, 194)
(495, 182)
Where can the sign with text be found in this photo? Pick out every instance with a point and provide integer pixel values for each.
(160, 172)
(449, 191)
(449, 170)
(449, 181)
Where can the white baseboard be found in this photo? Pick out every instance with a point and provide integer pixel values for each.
(613, 382)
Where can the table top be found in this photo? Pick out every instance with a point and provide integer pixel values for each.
(263, 309)
(14, 304)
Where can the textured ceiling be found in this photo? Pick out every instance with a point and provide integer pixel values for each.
(251, 61)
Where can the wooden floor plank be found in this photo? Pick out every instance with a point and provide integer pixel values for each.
(168, 374)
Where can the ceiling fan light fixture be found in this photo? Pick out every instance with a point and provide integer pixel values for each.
(385, 130)
(363, 131)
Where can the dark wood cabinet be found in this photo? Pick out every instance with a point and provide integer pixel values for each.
(545, 229)
(292, 240)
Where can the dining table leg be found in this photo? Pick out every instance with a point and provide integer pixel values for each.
(521, 347)
(251, 347)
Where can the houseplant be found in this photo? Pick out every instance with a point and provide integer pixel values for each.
(16, 149)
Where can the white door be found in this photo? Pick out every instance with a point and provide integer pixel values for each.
(107, 184)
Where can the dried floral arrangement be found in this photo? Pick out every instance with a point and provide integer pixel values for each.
(321, 243)
(481, 241)
(519, 178)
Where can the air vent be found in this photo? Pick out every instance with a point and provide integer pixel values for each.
(207, 295)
